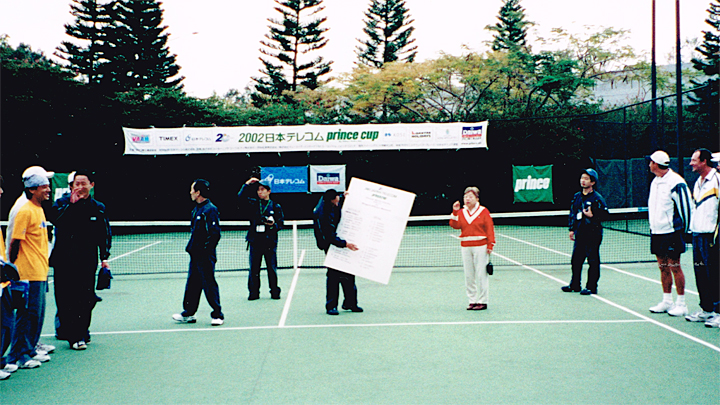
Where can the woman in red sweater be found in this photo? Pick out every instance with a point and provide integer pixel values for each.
(477, 240)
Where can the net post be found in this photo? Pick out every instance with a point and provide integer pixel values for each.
(295, 247)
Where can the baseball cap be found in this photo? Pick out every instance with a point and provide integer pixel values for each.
(37, 170)
(592, 173)
(660, 158)
(35, 180)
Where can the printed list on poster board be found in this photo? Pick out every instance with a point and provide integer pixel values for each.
(374, 217)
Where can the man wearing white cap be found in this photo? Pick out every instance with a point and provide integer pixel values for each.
(704, 227)
(669, 208)
(29, 252)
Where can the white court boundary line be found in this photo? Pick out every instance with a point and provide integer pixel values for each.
(363, 325)
(620, 307)
(627, 273)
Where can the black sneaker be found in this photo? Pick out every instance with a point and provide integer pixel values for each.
(569, 288)
(586, 291)
(353, 309)
(333, 311)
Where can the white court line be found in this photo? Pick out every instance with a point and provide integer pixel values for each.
(627, 273)
(288, 300)
(134, 251)
(625, 309)
(360, 325)
(126, 254)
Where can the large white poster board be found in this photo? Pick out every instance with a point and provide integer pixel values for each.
(374, 218)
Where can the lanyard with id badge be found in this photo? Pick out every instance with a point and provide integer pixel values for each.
(260, 228)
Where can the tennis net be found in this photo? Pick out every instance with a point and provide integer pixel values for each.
(533, 238)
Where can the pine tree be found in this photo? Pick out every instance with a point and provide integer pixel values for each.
(287, 41)
(709, 64)
(137, 50)
(388, 30)
(91, 18)
(511, 31)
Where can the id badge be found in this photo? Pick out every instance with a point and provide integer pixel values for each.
(579, 215)
(260, 228)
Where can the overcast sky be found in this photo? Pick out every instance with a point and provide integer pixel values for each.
(217, 41)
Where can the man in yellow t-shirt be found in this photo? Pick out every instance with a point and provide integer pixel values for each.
(29, 252)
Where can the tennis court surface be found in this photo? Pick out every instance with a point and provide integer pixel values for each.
(414, 344)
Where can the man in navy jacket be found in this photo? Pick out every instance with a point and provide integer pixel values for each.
(204, 237)
(266, 219)
(326, 217)
(587, 211)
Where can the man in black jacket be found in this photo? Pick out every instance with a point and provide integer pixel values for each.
(266, 219)
(82, 232)
(204, 237)
(326, 217)
(587, 211)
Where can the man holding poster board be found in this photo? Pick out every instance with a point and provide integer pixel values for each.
(374, 218)
(326, 217)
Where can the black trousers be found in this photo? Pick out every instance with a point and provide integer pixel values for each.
(587, 246)
(258, 250)
(75, 299)
(201, 278)
(334, 279)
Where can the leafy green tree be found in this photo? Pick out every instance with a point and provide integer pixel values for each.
(137, 51)
(709, 65)
(289, 39)
(91, 19)
(511, 30)
(388, 30)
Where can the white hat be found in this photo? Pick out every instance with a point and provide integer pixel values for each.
(37, 170)
(35, 180)
(660, 158)
(716, 157)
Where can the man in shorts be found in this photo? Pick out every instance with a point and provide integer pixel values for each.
(669, 208)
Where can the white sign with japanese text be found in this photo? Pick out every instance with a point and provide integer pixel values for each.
(373, 218)
(171, 141)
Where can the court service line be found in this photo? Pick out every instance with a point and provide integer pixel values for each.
(618, 306)
(288, 299)
(627, 273)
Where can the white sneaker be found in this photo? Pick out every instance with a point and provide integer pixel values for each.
(217, 322)
(713, 322)
(45, 348)
(29, 364)
(700, 316)
(4, 375)
(41, 357)
(678, 310)
(79, 345)
(10, 368)
(663, 306)
(184, 319)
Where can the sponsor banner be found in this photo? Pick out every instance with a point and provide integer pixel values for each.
(532, 183)
(170, 141)
(286, 179)
(327, 177)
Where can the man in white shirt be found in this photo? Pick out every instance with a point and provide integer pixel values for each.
(669, 209)
(704, 227)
